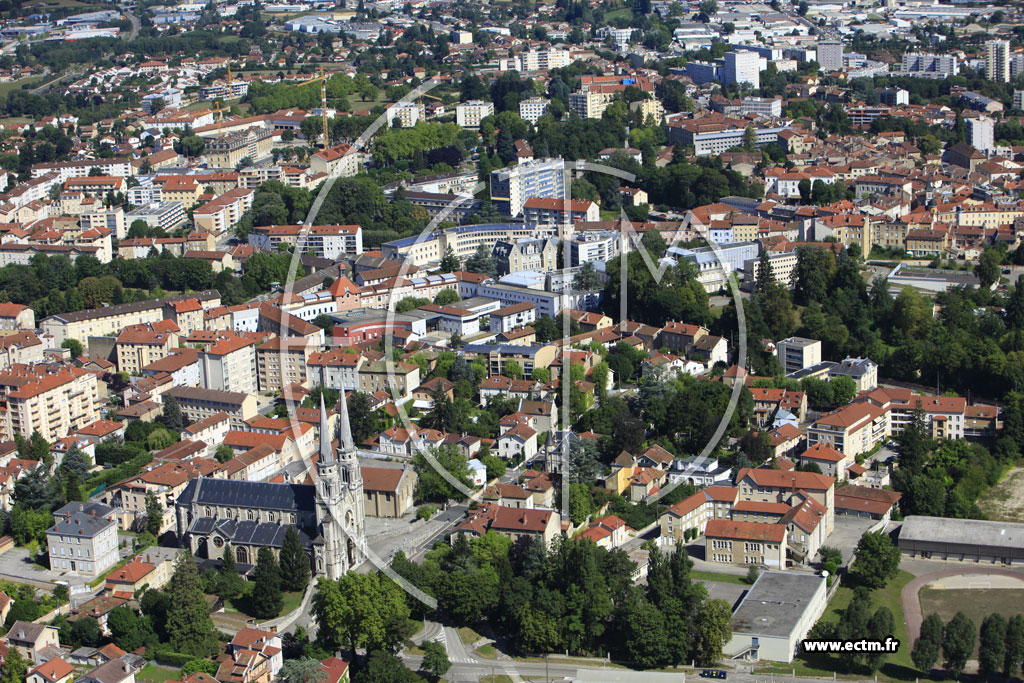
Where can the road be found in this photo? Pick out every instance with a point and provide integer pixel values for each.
(134, 22)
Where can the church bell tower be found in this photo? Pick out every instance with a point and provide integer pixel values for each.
(339, 497)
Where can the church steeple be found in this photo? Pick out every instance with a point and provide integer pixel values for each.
(326, 452)
(345, 443)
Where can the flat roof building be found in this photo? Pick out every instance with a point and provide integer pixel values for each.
(967, 540)
(776, 615)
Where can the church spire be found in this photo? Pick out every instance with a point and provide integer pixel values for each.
(326, 452)
(345, 443)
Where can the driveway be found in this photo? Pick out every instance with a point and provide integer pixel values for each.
(846, 534)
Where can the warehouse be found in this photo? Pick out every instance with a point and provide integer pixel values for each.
(967, 540)
(775, 616)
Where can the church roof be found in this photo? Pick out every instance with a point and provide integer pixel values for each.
(248, 494)
(248, 533)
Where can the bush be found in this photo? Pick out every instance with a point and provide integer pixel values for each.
(426, 512)
(163, 654)
(752, 574)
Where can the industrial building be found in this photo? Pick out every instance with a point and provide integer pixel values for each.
(966, 540)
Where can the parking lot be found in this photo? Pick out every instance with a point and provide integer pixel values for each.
(847, 532)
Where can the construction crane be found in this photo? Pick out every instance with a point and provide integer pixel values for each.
(220, 122)
(323, 101)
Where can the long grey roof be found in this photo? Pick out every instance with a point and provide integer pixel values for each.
(962, 531)
(248, 494)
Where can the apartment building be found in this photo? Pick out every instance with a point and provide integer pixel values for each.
(341, 161)
(512, 186)
(783, 269)
(997, 60)
(165, 215)
(102, 219)
(20, 347)
(742, 67)
(538, 256)
(326, 241)
(408, 114)
(924, 65)
(198, 404)
(226, 152)
(400, 377)
(224, 212)
(335, 369)
(114, 166)
(944, 415)
(83, 539)
(139, 345)
(694, 512)
(17, 317)
(229, 364)
(284, 360)
(533, 108)
(468, 114)
(54, 400)
(851, 429)
(508, 318)
(780, 486)
(716, 134)
(798, 353)
(830, 55)
(543, 210)
(745, 543)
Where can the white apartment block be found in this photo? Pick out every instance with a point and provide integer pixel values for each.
(408, 114)
(997, 60)
(981, 133)
(229, 365)
(929, 64)
(468, 114)
(120, 167)
(112, 220)
(742, 67)
(533, 108)
(223, 212)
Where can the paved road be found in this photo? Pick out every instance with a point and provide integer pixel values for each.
(912, 603)
(135, 25)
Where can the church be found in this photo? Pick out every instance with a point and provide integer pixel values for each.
(214, 514)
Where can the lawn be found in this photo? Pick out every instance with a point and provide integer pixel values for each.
(241, 605)
(16, 85)
(157, 674)
(621, 13)
(977, 603)
(468, 635)
(719, 578)
(897, 668)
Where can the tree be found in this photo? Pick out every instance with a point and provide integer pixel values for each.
(843, 390)
(15, 668)
(128, 630)
(172, 417)
(482, 261)
(877, 560)
(189, 628)
(881, 626)
(204, 666)
(223, 453)
(449, 262)
(229, 582)
(266, 599)
(992, 646)
(294, 562)
(435, 659)
(359, 610)
(305, 670)
(987, 269)
(1014, 654)
(958, 642)
(645, 638)
(154, 516)
(926, 648)
(86, 632)
(587, 278)
(363, 420)
(513, 370)
(446, 297)
(384, 667)
(74, 346)
(711, 631)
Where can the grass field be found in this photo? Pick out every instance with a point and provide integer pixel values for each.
(977, 603)
(468, 635)
(16, 85)
(157, 674)
(897, 668)
(719, 578)
(621, 13)
(1005, 501)
(241, 605)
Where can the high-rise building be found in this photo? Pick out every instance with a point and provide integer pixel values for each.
(925, 63)
(512, 186)
(997, 61)
(532, 109)
(830, 55)
(742, 67)
(1018, 99)
(981, 133)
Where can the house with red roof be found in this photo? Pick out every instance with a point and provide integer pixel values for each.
(57, 670)
(608, 532)
(388, 491)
